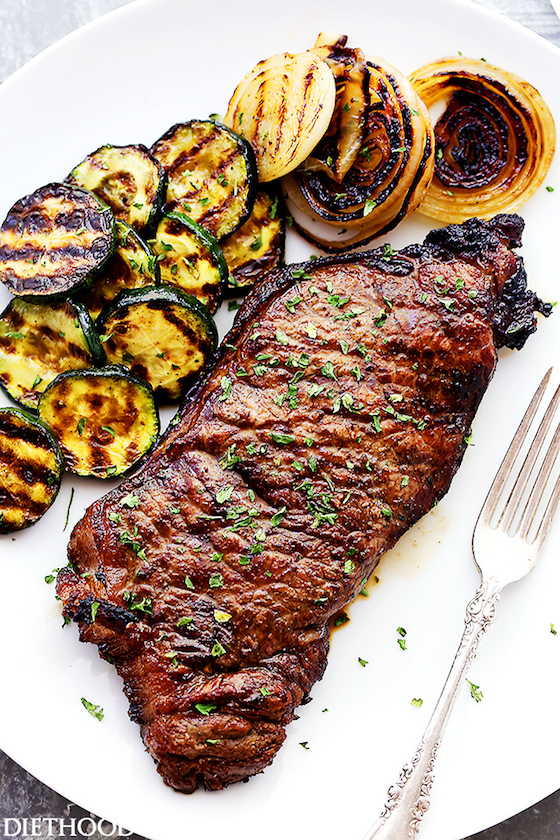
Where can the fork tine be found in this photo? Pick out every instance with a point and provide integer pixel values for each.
(496, 489)
(539, 486)
(548, 516)
(512, 505)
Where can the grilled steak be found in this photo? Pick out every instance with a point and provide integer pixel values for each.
(334, 417)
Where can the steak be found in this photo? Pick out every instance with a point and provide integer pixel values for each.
(334, 416)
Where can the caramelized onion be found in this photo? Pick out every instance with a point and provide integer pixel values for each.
(494, 142)
(283, 106)
(364, 176)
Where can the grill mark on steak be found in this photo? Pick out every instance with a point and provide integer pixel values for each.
(334, 417)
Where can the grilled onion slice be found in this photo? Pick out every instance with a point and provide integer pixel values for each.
(494, 142)
(353, 97)
(283, 106)
(389, 174)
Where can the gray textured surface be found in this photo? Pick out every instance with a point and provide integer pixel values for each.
(27, 27)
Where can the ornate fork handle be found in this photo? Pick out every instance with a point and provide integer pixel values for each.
(409, 798)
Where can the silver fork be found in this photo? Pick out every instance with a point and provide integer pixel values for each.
(506, 543)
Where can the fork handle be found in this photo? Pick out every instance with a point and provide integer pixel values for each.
(409, 798)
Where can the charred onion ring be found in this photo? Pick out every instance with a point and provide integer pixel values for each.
(392, 164)
(494, 142)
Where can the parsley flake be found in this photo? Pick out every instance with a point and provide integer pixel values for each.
(93, 709)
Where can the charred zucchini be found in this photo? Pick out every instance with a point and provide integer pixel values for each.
(104, 419)
(129, 179)
(132, 265)
(211, 174)
(54, 241)
(31, 467)
(257, 247)
(161, 334)
(189, 257)
(38, 341)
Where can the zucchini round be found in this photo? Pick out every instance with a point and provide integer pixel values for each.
(129, 179)
(257, 247)
(38, 341)
(31, 468)
(105, 419)
(132, 265)
(212, 174)
(54, 241)
(190, 258)
(161, 334)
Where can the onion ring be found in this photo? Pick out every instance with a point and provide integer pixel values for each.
(388, 177)
(494, 142)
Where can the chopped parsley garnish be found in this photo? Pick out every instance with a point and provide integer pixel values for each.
(293, 302)
(224, 494)
(282, 438)
(68, 509)
(130, 501)
(216, 580)
(217, 650)
(205, 708)
(476, 693)
(185, 621)
(226, 386)
(93, 709)
(277, 517)
(300, 274)
(127, 539)
(328, 370)
(341, 619)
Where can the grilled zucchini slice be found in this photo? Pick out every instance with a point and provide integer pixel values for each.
(105, 419)
(31, 468)
(54, 241)
(38, 341)
(211, 173)
(257, 247)
(161, 334)
(129, 179)
(190, 257)
(132, 265)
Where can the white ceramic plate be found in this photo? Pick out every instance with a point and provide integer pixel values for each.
(127, 78)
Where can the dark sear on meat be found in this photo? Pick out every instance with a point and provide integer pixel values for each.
(334, 417)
